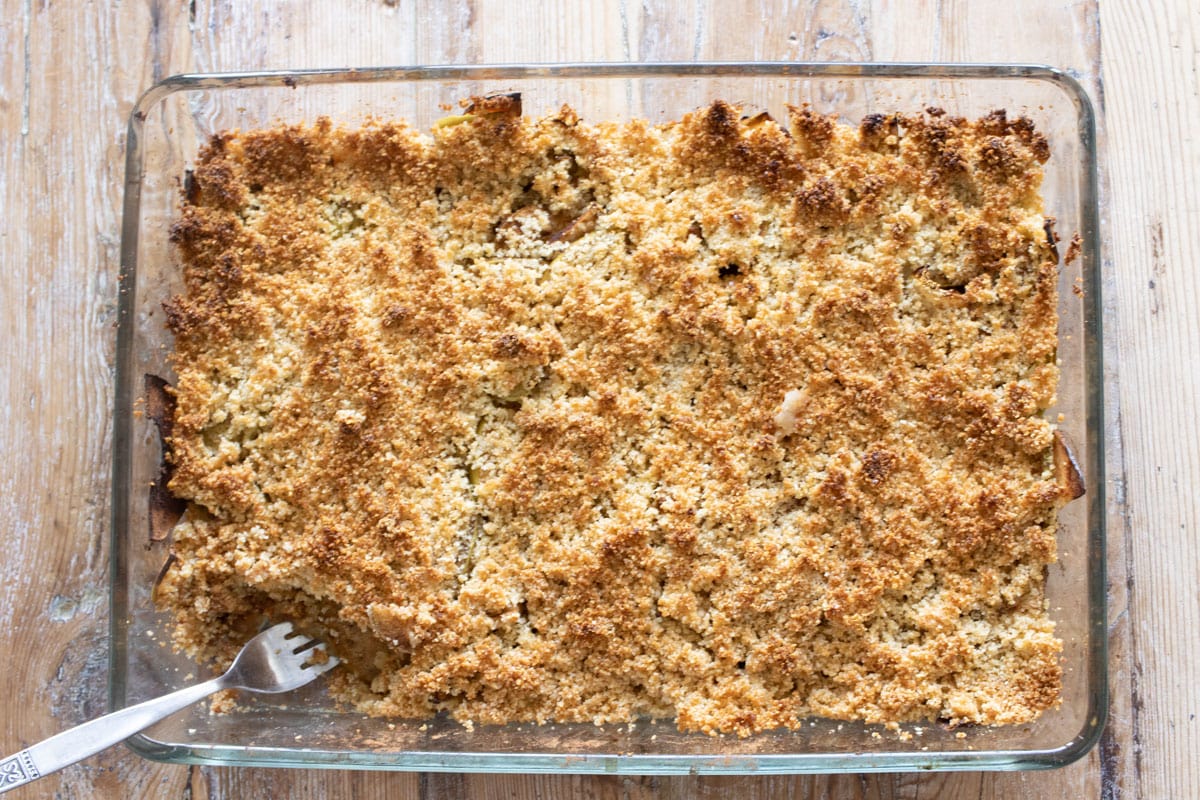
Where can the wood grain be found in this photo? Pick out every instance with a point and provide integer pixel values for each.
(67, 85)
(68, 76)
(1153, 106)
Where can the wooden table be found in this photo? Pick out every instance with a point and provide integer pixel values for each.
(69, 73)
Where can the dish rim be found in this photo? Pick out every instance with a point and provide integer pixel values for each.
(643, 764)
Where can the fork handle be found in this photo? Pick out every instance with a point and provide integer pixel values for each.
(90, 738)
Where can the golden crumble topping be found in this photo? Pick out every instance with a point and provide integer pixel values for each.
(721, 420)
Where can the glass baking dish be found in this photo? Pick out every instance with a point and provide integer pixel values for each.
(175, 117)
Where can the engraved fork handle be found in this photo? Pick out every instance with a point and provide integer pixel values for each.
(90, 738)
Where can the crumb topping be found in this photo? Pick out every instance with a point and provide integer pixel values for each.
(724, 420)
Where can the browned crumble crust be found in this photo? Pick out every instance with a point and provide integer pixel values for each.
(719, 420)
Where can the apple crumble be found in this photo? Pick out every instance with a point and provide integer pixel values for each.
(727, 420)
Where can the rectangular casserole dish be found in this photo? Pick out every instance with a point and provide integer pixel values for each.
(175, 117)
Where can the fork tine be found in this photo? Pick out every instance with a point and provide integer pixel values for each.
(300, 643)
(275, 662)
(277, 635)
(319, 647)
(321, 669)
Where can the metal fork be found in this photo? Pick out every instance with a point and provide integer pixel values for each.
(271, 662)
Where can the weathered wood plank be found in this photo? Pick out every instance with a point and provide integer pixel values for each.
(68, 81)
(1152, 91)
